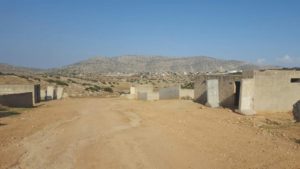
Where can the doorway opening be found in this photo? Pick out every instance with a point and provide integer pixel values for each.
(237, 93)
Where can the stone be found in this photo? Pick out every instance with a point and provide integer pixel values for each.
(296, 111)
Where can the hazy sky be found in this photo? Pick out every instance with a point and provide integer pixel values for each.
(41, 33)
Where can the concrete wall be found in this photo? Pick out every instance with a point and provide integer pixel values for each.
(15, 89)
(246, 105)
(186, 93)
(132, 90)
(59, 92)
(43, 94)
(274, 91)
(17, 100)
(227, 89)
(50, 93)
(153, 96)
(142, 95)
(213, 92)
(169, 93)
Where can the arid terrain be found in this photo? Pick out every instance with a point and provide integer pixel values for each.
(119, 133)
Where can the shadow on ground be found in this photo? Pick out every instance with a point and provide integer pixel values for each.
(8, 113)
(297, 141)
(1, 124)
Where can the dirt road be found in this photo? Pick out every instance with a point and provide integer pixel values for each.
(128, 134)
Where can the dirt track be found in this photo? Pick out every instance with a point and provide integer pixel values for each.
(118, 133)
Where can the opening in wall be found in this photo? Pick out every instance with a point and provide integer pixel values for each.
(295, 80)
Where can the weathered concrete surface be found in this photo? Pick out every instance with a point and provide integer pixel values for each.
(142, 95)
(17, 100)
(296, 111)
(246, 106)
(274, 91)
(16, 88)
(169, 93)
(132, 90)
(50, 93)
(43, 94)
(186, 93)
(59, 92)
(213, 93)
(150, 96)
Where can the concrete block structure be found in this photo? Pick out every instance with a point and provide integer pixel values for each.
(186, 93)
(17, 100)
(14, 95)
(50, 93)
(135, 90)
(253, 91)
(58, 92)
(43, 95)
(213, 92)
(169, 93)
(271, 91)
(228, 89)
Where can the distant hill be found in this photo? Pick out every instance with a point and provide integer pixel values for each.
(6, 68)
(134, 63)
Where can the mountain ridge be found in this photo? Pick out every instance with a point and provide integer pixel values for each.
(141, 63)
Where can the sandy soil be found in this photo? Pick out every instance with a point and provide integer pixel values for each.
(129, 134)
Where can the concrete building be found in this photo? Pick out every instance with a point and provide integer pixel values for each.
(225, 90)
(250, 92)
(50, 93)
(19, 95)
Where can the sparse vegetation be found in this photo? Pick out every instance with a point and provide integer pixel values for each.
(189, 85)
(108, 89)
(57, 82)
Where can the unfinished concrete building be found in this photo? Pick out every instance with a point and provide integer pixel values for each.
(250, 92)
(19, 95)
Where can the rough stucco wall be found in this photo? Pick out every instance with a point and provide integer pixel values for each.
(17, 100)
(246, 97)
(274, 91)
(186, 93)
(169, 93)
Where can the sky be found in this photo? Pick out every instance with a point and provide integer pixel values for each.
(54, 33)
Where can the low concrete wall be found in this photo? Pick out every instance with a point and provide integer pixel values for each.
(169, 93)
(186, 93)
(150, 96)
(246, 97)
(142, 96)
(16, 88)
(17, 100)
(153, 96)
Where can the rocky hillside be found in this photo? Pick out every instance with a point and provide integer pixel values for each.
(5, 68)
(133, 63)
